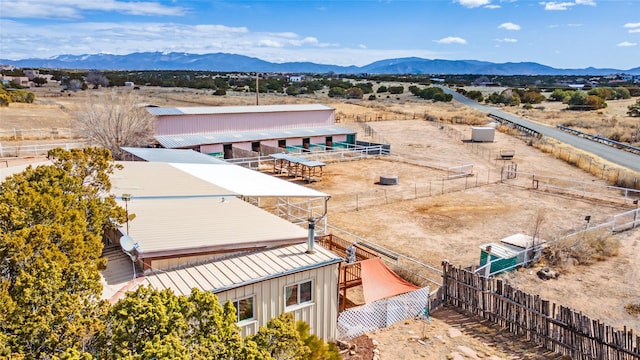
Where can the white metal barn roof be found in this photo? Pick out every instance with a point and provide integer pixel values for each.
(247, 182)
(173, 155)
(241, 270)
(182, 226)
(207, 110)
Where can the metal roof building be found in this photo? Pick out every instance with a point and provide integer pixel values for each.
(192, 230)
(244, 131)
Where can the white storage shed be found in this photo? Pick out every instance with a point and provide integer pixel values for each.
(482, 134)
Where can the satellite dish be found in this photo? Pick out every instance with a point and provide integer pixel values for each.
(127, 244)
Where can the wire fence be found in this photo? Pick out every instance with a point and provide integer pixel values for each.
(585, 189)
(39, 134)
(27, 150)
(388, 194)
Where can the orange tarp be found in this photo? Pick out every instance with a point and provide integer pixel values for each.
(379, 282)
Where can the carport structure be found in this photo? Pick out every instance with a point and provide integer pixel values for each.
(294, 166)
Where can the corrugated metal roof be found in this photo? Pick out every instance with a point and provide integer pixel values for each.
(173, 155)
(205, 110)
(145, 179)
(178, 226)
(240, 270)
(188, 140)
(521, 240)
(294, 159)
(247, 182)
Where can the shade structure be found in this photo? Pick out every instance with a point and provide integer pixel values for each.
(380, 282)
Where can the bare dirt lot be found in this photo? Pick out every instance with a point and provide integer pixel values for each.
(428, 217)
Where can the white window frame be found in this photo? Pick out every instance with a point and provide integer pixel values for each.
(298, 302)
(253, 308)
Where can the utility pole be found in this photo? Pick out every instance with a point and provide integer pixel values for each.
(257, 75)
(126, 198)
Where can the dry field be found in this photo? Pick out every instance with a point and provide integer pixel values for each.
(423, 217)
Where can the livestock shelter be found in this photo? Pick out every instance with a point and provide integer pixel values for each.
(247, 131)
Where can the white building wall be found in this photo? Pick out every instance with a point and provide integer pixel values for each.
(321, 314)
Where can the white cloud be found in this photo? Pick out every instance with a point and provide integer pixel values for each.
(565, 5)
(306, 41)
(74, 9)
(626, 44)
(362, 46)
(491, 6)
(509, 26)
(270, 43)
(473, 3)
(557, 6)
(77, 38)
(632, 25)
(507, 40)
(634, 31)
(451, 40)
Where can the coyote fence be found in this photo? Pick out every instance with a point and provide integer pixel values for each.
(554, 327)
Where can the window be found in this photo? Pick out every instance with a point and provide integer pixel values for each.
(299, 293)
(244, 308)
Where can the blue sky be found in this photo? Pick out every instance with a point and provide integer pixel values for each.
(561, 34)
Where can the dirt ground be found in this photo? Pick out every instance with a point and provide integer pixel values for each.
(431, 218)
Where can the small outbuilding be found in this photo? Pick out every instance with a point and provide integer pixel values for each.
(496, 257)
(510, 252)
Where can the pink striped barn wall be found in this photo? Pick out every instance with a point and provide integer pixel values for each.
(224, 123)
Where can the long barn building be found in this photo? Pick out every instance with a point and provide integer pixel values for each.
(243, 131)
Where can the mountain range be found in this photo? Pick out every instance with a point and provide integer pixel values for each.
(222, 62)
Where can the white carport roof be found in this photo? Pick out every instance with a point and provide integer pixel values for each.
(247, 182)
(147, 179)
(158, 179)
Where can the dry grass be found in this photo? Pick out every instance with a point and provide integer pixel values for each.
(613, 174)
(583, 249)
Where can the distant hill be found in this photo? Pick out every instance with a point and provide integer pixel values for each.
(239, 63)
